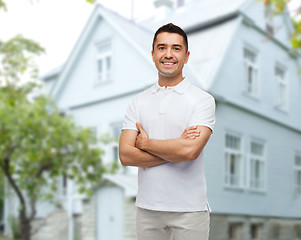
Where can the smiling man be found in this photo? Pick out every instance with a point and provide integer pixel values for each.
(165, 130)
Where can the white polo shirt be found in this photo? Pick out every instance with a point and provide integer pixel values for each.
(164, 113)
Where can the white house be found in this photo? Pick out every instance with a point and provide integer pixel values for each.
(243, 57)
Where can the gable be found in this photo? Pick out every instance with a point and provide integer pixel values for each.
(281, 24)
(208, 48)
(105, 25)
(129, 69)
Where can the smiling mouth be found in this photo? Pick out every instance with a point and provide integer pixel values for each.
(168, 63)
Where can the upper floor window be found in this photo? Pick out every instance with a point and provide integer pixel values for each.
(104, 61)
(298, 174)
(281, 89)
(250, 72)
(269, 16)
(233, 161)
(257, 166)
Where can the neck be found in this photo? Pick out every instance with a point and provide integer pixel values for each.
(170, 82)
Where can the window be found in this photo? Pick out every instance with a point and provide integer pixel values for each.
(77, 226)
(94, 133)
(257, 166)
(233, 161)
(254, 231)
(281, 90)
(269, 20)
(298, 174)
(297, 233)
(251, 72)
(276, 232)
(234, 231)
(104, 61)
(62, 183)
(116, 131)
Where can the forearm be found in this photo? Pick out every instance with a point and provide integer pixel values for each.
(132, 156)
(173, 150)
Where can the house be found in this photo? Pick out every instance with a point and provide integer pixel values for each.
(239, 54)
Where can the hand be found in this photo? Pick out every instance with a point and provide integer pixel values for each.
(142, 137)
(190, 133)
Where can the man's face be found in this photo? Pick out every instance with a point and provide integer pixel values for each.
(169, 54)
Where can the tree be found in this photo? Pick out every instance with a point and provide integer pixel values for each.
(37, 144)
(280, 7)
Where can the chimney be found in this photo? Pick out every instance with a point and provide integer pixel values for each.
(163, 8)
(180, 3)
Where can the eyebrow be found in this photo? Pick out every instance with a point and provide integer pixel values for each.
(174, 45)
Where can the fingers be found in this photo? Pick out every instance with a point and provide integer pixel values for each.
(139, 126)
(194, 131)
(192, 136)
(190, 128)
(191, 133)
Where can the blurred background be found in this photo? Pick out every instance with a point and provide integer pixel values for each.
(59, 153)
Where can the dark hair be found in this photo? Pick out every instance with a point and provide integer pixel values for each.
(171, 28)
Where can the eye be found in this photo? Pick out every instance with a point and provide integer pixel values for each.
(161, 48)
(177, 49)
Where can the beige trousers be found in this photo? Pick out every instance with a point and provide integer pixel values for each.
(159, 225)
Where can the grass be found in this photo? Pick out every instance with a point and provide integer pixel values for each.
(2, 238)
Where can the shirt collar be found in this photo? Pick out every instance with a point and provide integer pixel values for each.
(179, 88)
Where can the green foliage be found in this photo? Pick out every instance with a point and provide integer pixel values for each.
(3, 5)
(38, 145)
(280, 7)
(42, 145)
(17, 56)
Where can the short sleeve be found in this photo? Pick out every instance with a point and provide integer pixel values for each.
(130, 117)
(204, 113)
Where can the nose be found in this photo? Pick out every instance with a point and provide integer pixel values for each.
(168, 53)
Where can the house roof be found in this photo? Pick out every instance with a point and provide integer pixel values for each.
(128, 182)
(140, 36)
(208, 23)
(208, 48)
(52, 73)
(199, 13)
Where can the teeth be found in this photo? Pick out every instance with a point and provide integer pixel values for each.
(167, 63)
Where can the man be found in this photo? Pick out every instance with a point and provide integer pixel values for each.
(165, 130)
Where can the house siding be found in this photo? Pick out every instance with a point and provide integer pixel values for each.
(279, 198)
(220, 223)
(229, 82)
(88, 219)
(100, 105)
(130, 219)
(81, 86)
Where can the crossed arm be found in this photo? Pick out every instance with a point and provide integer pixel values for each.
(137, 149)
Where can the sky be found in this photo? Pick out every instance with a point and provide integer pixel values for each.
(57, 24)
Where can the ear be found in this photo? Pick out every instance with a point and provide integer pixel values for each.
(187, 57)
(153, 55)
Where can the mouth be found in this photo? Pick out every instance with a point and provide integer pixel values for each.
(168, 63)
